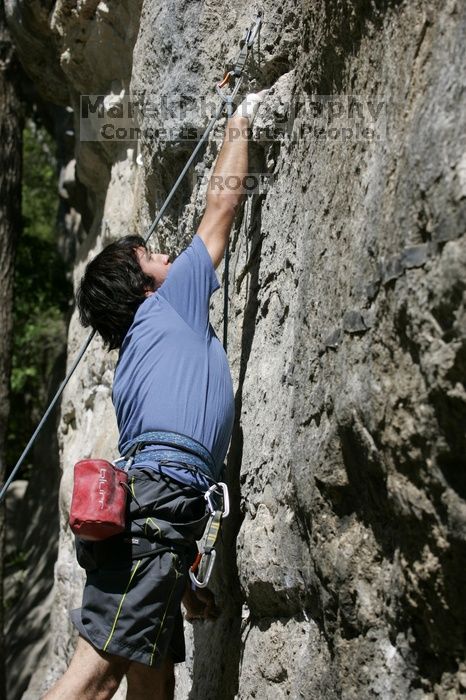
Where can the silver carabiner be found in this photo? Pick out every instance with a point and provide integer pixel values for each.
(226, 499)
(207, 497)
(209, 566)
(252, 31)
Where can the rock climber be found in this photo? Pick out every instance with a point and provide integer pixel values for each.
(172, 375)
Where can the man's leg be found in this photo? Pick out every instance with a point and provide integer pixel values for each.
(146, 683)
(92, 675)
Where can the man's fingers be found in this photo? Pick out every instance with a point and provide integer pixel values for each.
(262, 93)
(249, 106)
(205, 609)
(211, 612)
(205, 595)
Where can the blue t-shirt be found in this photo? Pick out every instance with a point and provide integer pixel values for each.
(173, 373)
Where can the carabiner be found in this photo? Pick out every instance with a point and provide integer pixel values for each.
(209, 566)
(226, 79)
(252, 31)
(207, 496)
(226, 499)
(225, 496)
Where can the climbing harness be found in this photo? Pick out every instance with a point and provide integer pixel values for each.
(193, 451)
(153, 542)
(235, 74)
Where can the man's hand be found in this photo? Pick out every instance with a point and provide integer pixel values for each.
(249, 106)
(199, 604)
(225, 191)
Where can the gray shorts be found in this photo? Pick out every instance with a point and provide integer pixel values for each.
(131, 601)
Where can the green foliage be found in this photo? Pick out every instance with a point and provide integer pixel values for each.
(18, 559)
(39, 192)
(42, 292)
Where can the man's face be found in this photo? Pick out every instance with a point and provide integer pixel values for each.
(156, 265)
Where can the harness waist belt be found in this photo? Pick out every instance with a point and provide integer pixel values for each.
(194, 453)
(167, 456)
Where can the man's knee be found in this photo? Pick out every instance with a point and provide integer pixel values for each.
(92, 675)
(105, 687)
(111, 673)
(100, 671)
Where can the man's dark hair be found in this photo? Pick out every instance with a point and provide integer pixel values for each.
(112, 288)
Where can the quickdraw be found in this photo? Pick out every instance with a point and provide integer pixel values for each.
(201, 569)
(236, 72)
(246, 45)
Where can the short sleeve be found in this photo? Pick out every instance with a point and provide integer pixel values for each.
(190, 283)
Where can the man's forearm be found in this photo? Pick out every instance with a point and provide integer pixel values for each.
(226, 183)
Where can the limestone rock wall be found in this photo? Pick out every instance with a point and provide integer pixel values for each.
(343, 563)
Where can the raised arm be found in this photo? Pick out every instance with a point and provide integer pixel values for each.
(225, 191)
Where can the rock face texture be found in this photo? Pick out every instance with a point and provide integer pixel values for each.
(343, 567)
